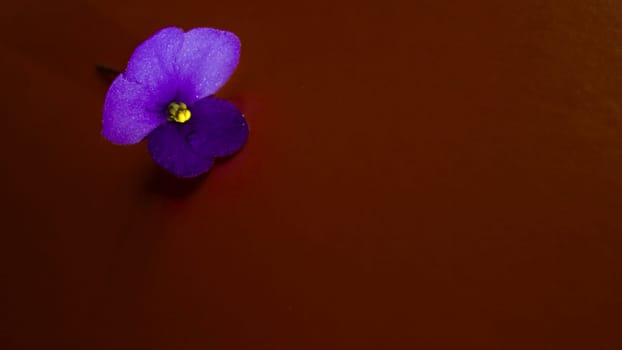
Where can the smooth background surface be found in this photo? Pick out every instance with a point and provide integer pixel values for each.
(420, 175)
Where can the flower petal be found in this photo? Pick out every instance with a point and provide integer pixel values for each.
(218, 128)
(169, 148)
(130, 112)
(205, 62)
(153, 61)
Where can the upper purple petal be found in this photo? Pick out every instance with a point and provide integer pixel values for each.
(218, 128)
(205, 62)
(131, 112)
(153, 61)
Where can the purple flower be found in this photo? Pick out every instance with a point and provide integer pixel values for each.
(166, 93)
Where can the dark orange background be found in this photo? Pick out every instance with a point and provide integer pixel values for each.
(430, 174)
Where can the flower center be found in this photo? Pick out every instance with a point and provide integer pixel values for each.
(178, 112)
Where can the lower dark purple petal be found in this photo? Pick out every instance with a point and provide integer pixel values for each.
(170, 149)
(217, 128)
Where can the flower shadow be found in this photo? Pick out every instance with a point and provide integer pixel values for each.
(106, 74)
(160, 182)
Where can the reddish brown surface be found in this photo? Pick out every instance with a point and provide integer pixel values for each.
(438, 175)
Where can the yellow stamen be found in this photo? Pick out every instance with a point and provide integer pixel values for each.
(178, 112)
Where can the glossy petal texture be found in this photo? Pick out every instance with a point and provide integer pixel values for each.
(216, 129)
(219, 128)
(131, 112)
(153, 62)
(205, 62)
(190, 65)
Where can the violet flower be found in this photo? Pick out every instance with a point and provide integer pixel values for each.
(165, 95)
